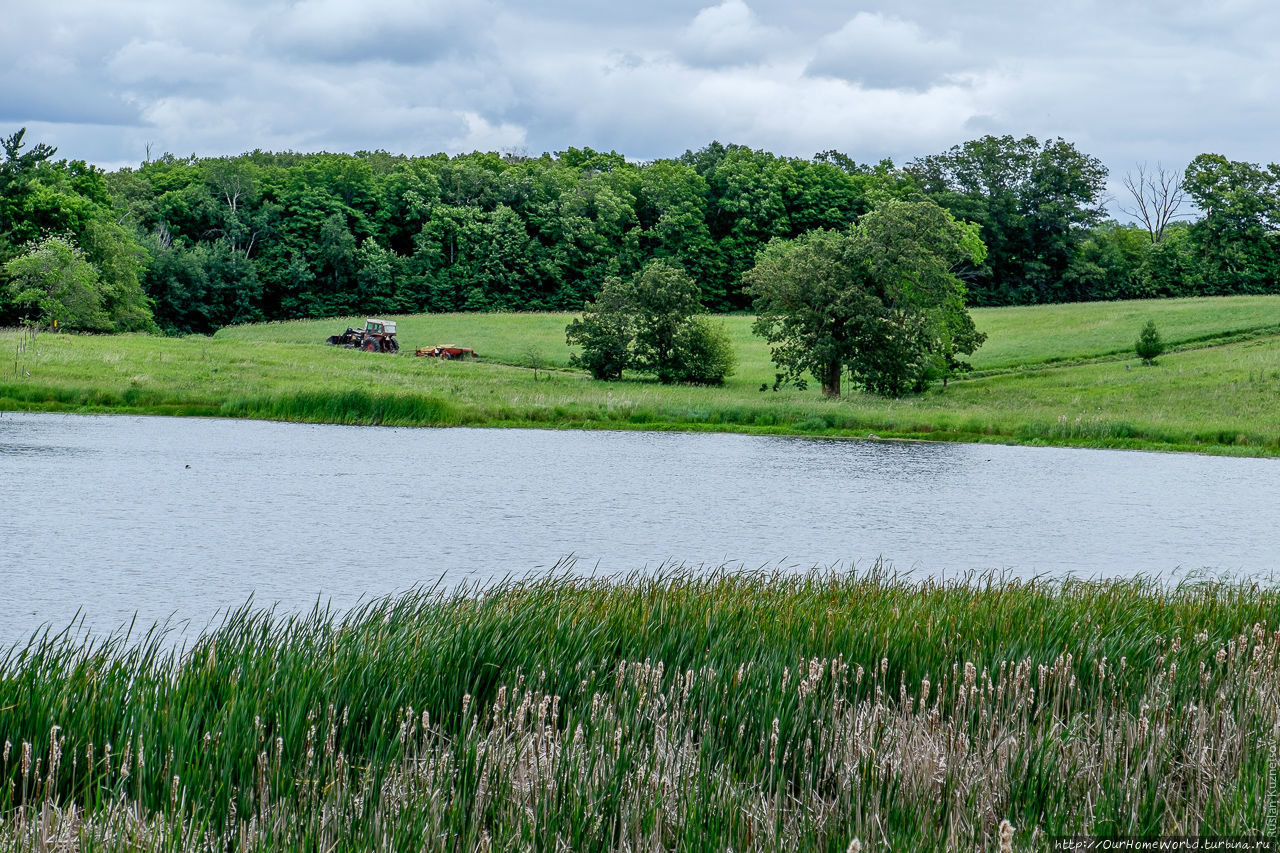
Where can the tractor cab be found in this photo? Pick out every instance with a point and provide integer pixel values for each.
(376, 336)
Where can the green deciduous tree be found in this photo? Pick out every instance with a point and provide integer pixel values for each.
(705, 352)
(604, 333)
(664, 300)
(1033, 201)
(375, 278)
(880, 300)
(55, 283)
(120, 261)
(671, 208)
(649, 323)
(177, 282)
(807, 299)
(1237, 238)
(1111, 263)
(1174, 266)
(89, 275)
(337, 251)
(233, 292)
(17, 172)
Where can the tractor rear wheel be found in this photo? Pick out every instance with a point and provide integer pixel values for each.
(392, 345)
(371, 345)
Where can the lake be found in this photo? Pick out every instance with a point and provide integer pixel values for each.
(112, 515)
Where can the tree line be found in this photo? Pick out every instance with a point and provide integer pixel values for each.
(190, 244)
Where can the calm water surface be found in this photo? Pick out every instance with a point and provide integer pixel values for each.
(113, 516)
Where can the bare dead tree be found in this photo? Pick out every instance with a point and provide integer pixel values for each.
(516, 154)
(235, 184)
(1157, 195)
(163, 235)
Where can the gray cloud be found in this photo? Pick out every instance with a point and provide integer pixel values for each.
(59, 102)
(154, 69)
(53, 70)
(401, 31)
(1127, 81)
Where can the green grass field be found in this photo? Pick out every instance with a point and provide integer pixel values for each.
(1060, 374)
(730, 712)
(1021, 336)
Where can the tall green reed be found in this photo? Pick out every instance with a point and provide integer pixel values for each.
(675, 710)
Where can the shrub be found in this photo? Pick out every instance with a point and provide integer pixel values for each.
(705, 352)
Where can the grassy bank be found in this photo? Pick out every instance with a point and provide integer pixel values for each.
(1048, 374)
(730, 712)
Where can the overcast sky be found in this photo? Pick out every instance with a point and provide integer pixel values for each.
(1126, 81)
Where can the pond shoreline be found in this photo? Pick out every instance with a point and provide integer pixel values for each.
(696, 428)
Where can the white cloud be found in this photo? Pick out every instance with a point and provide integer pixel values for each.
(880, 52)
(777, 107)
(727, 34)
(481, 135)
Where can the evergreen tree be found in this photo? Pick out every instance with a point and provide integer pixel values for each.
(1149, 346)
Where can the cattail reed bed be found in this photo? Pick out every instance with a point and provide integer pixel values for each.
(684, 711)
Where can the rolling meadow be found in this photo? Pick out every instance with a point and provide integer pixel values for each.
(1061, 374)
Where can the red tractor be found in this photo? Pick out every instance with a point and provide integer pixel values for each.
(376, 336)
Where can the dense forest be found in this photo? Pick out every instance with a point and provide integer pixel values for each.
(206, 242)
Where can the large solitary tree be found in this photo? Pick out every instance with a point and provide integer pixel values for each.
(880, 300)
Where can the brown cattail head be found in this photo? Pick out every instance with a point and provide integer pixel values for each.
(1006, 837)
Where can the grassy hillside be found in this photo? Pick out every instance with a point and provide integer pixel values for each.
(1223, 397)
(1020, 336)
(1036, 334)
